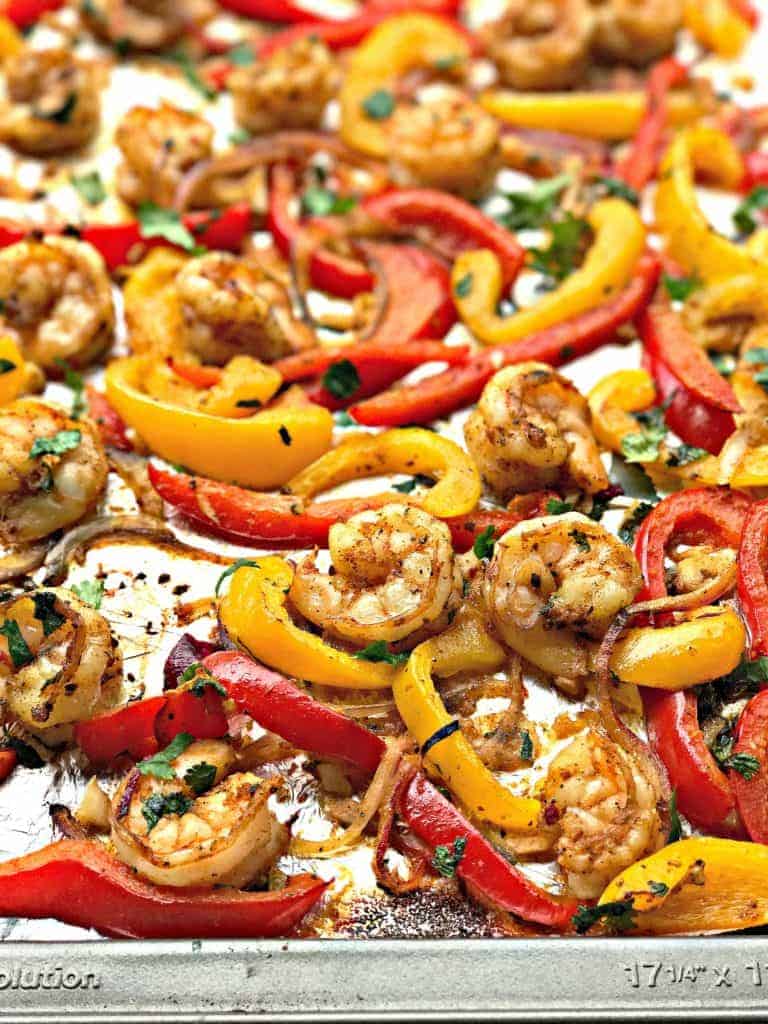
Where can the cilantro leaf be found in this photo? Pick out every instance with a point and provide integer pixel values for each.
(632, 479)
(420, 480)
(158, 222)
(341, 379)
(241, 55)
(17, 645)
(45, 612)
(744, 214)
(61, 442)
(617, 914)
(343, 419)
(200, 777)
(555, 507)
(644, 445)
(745, 764)
(679, 288)
(629, 527)
(658, 888)
(723, 362)
(484, 543)
(188, 68)
(160, 805)
(675, 825)
(581, 540)
(620, 189)
(76, 384)
(89, 591)
(559, 259)
(379, 104)
(532, 209)
(526, 746)
(379, 651)
(447, 859)
(463, 286)
(159, 764)
(6, 366)
(320, 202)
(90, 186)
(757, 355)
(240, 563)
(684, 454)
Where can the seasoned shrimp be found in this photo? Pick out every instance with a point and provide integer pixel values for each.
(635, 31)
(553, 584)
(722, 314)
(52, 102)
(232, 307)
(52, 470)
(56, 301)
(289, 89)
(531, 430)
(394, 573)
(138, 24)
(59, 662)
(608, 811)
(158, 147)
(208, 825)
(696, 566)
(447, 142)
(542, 44)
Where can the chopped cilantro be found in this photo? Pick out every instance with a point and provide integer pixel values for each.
(188, 68)
(556, 507)
(379, 105)
(532, 209)
(629, 526)
(90, 186)
(679, 288)
(6, 365)
(415, 481)
(159, 764)
(242, 55)
(757, 355)
(446, 859)
(343, 419)
(341, 379)
(61, 442)
(581, 540)
(463, 286)
(17, 645)
(620, 189)
(675, 825)
(200, 777)
(644, 445)
(239, 137)
(558, 260)
(526, 746)
(240, 563)
(658, 888)
(617, 914)
(723, 362)
(744, 214)
(76, 385)
(45, 611)
(161, 805)
(684, 454)
(379, 651)
(158, 222)
(745, 764)
(484, 543)
(320, 202)
(90, 592)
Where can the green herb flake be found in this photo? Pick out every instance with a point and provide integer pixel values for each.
(526, 746)
(343, 419)
(239, 137)
(6, 366)
(161, 805)
(188, 68)
(45, 611)
(446, 859)
(76, 385)
(90, 187)
(745, 764)
(756, 356)
(463, 286)
(533, 208)
(723, 362)
(645, 445)
(581, 540)
(679, 288)
(556, 507)
(61, 442)
(379, 105)
(618, 915)
(620, 189)
(379, 651)
(200, 777)
(484, 543)
(675, 824)
(658, 888)
(159, 764)
(241, 55)
(17, 645)
(761, 378)
(341, 379)
(240, 563)
(407, 486)
(685, 454)
(158, 222)
(321, 202)
(744, 214)
(559, 259)
(629, 527)
(90, 592)
(632, 479)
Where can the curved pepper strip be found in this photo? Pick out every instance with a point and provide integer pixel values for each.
(286, 438)
(706, 644)
(690, 239)
(755, 170)
(460, 386)
(752, 794)
(726, 890)
(80, 883)
(314, 362)
(413, 450)
(272, 10)
(282, 707)
(488, 875)
(717, 26)
(752, 585)
(598, 115)
(274, 520)
(453, 759)
(637, 168)
(608, 266)
(24, 13)
(398, 45)
(611, 401)
(255, 615)
(143, 727)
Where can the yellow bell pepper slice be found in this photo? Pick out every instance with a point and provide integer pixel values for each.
(255, 616)
(612, 400)
(714, 885)
(410, 450)
(245, 385)
(262, 451)
(11, 40)
(690, 239)
(716, 26)
(453, 758)
(705, 645)
(597, 115)
(618, 244)
(15, 373)
(398, 45)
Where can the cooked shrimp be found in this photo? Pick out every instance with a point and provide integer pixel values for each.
(394, 573)
(288, 90)
(531, 430)
(722, 314)
(232, 307)
(44, 487)
(59, 662)
(608, 813)
(635, 31)
(210, 825)
(448, 142)
(52, 102)
(543, 44)
(158, 147)
(56, 301)
(138, 24)
(554, 583)
(699, 565)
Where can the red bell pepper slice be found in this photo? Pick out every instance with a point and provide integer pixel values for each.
(455, 224)
(753, 587)
(667, 339)
(272, 10)
(488, 875)
(8, 762)
(694, 421)
(24, 13)
(747, 11)
(273, 520)
(282, 707)
(755, 170)
(314, 362)
(112, 427)
(77, 881)
(460, 386)
(143, 727)
(639, 165)
(752, 794)
(704, 794)
(193, 373)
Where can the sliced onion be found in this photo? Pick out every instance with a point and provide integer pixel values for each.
(188, 650)
(74, 543)
(22, 561)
